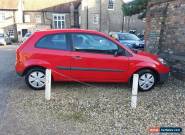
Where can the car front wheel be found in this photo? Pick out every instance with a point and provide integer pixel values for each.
(147, 80)
(35, 78)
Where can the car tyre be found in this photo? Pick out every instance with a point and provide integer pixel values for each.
(147, 80)
(35, 78)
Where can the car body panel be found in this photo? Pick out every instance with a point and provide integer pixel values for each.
(98, 67)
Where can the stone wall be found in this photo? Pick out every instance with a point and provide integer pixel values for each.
(165, 32)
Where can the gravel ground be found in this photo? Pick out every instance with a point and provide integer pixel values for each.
(105, 109)
(77, 109)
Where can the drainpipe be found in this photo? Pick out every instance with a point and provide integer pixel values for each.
(100, 15)
(15, 27)
(46, 17)
(43, 17)
(87, 17)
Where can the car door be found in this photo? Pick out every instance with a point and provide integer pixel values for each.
(55, 50)
(93, 59)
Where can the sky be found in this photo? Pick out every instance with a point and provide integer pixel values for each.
(127, 1)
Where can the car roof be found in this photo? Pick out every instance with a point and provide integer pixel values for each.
(68, 31)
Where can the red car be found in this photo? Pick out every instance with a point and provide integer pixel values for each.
(86, 56)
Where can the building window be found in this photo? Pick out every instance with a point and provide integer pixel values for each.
(59, 21)
(80, 20)
(38, 19)
(11, 33)
(96, 19)
(27, 18)
(111, 4)
(2, 15)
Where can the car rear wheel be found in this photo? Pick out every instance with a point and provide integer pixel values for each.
(35, 78)
(147, 80)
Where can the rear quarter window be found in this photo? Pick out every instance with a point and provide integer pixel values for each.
(56, 42)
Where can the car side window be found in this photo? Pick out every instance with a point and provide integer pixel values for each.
(93, 44)
(56, 42)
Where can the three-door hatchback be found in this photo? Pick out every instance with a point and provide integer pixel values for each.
(85, 56)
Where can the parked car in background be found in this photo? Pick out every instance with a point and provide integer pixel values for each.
(141, 36)
(85, 56)
(133, 32)
(4, 39)
(128, 39)
(27, 35)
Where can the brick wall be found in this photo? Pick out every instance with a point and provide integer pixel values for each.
(165, 32)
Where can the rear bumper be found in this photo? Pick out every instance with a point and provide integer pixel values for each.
(19, 68)
(164, 77)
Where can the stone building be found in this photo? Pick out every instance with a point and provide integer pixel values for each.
(7, 19)
(17, 17)
(165, 32)
(21, 16)
(101, 15)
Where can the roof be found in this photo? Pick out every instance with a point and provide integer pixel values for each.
(36, 5)
(8, 4)
(65, 7)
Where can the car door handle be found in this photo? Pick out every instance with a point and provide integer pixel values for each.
(77, 57)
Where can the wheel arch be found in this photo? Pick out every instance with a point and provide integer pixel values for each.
(157, 75)
(31, 67)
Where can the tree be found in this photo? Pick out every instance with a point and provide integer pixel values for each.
(135, 7)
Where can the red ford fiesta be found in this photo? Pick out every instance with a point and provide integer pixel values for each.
(87, 56)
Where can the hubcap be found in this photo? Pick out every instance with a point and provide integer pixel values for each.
(146, 81)
(37, 79)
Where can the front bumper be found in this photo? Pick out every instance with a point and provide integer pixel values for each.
(164, 77)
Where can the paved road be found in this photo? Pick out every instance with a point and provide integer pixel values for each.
(8, 77)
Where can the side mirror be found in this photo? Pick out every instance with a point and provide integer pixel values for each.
(116, 38)
(116, 53)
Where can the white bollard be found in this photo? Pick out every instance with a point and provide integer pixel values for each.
(134, 91)
(48, 85)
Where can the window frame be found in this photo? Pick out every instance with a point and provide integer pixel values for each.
(68, 42)
(27, 18)
(96, 19)
(73, 49)
(38, 19)
(112, 4)
(2, 16)
(61, 20)
(11, 32)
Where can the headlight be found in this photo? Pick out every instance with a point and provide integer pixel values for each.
(162, 61)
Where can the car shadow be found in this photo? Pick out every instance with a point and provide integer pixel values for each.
(90, 86)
